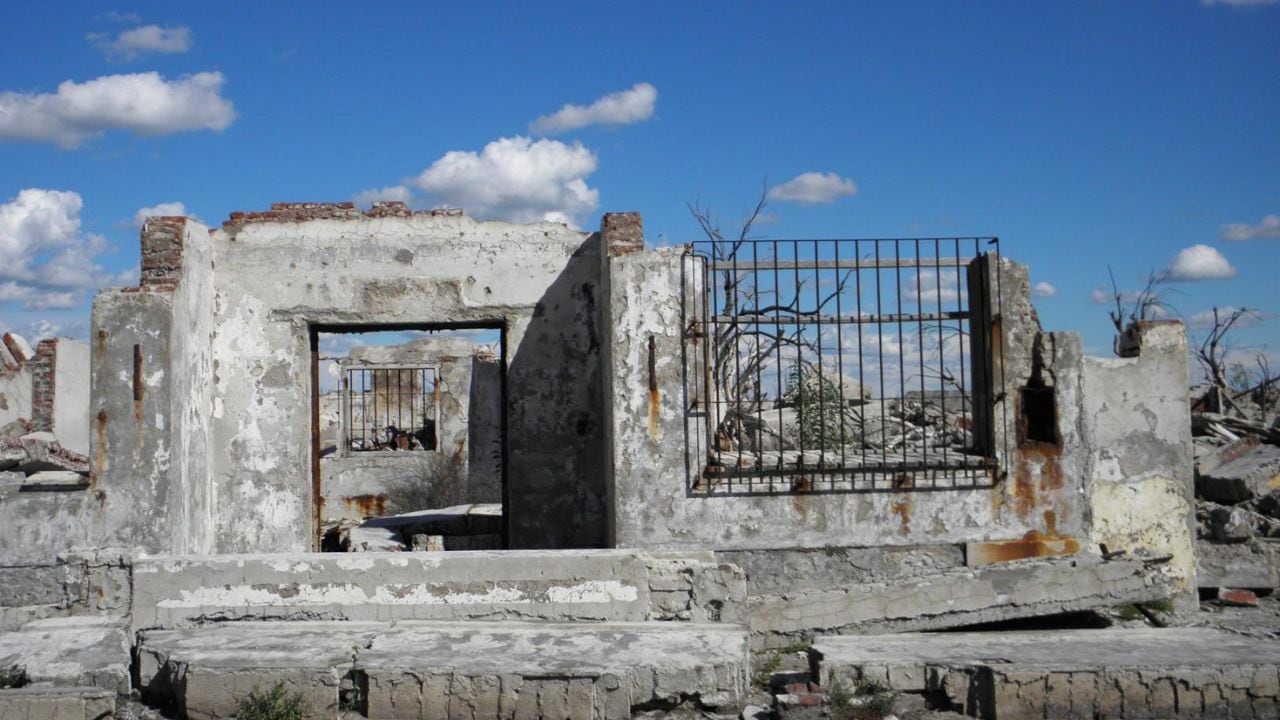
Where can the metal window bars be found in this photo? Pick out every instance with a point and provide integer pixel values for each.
(391, 408)
(830, 366)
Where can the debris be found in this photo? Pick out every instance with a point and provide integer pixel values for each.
(1253, 474)
(1237, 598)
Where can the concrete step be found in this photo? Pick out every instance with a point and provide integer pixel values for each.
(554, 585)
(71, 651)
(1120, 673)
(423, 669)
(957, 597)
(57, 703)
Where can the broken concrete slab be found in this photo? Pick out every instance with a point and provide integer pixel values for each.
(1253, 565)
(1252, 474)
(451, 669)
(1140, 673)
(1005, 591)
(39, 451)
(55, 480)
(470, 519)
(57, 703)
(70, 651)
(206, 671)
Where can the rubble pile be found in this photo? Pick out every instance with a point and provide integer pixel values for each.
(1237, 476)
(861, 433)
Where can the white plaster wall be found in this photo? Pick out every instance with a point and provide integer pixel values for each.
(191, 368)
(274, 279)
(1138, 431)
(15, 395)
(71, 396)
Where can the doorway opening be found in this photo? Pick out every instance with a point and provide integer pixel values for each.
(409, 436)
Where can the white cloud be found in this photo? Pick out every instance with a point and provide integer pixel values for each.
(1200, 262)
(515, 179)
(933, 288)
(143, 103)
(366, 198)
(1239, 232)
(620, 108)
(46, 262)
(1043, 289)
(813, 187)
(168, 209)
(1101, 295)
(135, 42)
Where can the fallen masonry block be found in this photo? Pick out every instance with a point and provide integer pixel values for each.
(1250, 475)
(1255, 564)
(1140, 673)
(58, 703)
(450, 669)
(39, 451)
(955, 598)
(71, 651)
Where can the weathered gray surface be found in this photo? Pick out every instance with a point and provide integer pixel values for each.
(1138, 434)
(441, 669)
(1253, 565)
(789, 570)
(1153, 673)
(1250, 475)
(57, 703)
(71, 651)
(550, 585)
(955, 598)
(73, 583)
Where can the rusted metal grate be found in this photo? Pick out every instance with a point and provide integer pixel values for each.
(826, 366)
(391, 408)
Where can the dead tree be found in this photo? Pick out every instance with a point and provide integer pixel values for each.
(741, 351)
(1145, 305)
(1212, 353)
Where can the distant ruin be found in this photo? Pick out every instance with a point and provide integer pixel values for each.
(661, 461)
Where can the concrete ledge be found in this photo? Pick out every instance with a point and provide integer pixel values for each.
(1143, 673)
(450, 669)
(57, 703)
(596, 585)
(1004, 591)
(70, 651)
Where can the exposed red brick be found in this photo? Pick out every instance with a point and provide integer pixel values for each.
(1237, 598)
(622, 233)
(302, 212)
(43, 377)
(162, 239)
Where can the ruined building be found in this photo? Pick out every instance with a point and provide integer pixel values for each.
(678, 457)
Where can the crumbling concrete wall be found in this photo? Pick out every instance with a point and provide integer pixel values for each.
(150, 407)
(1138, 438)
(45, 389)
(213, 351)
(652, 507)
(1053, 415)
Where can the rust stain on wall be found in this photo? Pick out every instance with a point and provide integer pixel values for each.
(367, 505)
(902, 509)
(100, 454)
(653, 390)
(1032, 545)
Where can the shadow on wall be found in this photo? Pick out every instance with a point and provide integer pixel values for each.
(556, 456)
(484, 431)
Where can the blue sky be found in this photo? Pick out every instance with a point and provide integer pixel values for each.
(1083, 134)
